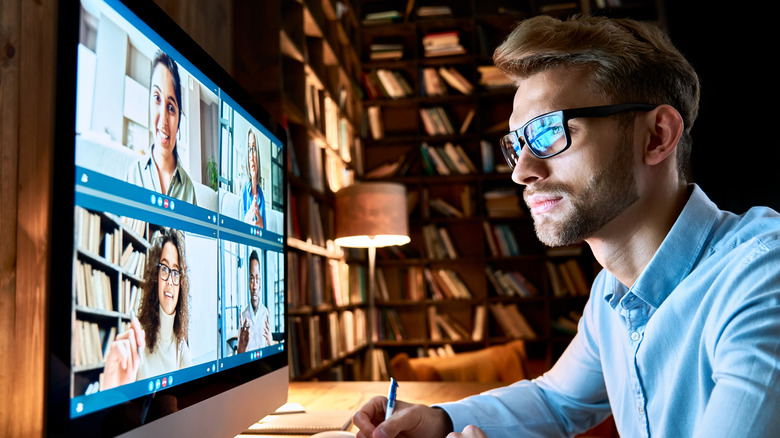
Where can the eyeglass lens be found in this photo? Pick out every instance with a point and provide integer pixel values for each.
(545, 135)
(166, 272)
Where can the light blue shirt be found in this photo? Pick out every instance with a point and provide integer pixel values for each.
(247, 198)
(692, 349)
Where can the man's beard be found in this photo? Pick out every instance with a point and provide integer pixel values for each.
(608, 193)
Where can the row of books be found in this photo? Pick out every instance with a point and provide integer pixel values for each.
(442, 163)
(409, 281)
(385, 83)
(434, 81)
(133, 262)
(347, 282)
(443, 326)
(446, 43)
(326, 337)
(567, 278)
(93, 287)
(503, 202)
(445, 283)
(393, 15)
(512, 321)
(136, 225)
(312, 284)
(501, 240)
(436, 121)
(510, 283)
(448, 159)
(384, 51)
(91, 342)
(417, 283)
(327, 114)
(438, 243)
(87, 344)
(89, 231)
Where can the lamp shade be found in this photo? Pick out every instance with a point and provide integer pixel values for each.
(371, 215)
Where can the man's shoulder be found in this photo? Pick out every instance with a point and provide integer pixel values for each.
(757, 228)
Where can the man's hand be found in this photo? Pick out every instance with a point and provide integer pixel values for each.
(243, 336)
(269, 339)
(469, 431)
(123, 359)
(409, 420)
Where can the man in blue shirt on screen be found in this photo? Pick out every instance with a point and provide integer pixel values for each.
(681, 334)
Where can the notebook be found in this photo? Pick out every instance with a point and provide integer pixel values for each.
(302, 423)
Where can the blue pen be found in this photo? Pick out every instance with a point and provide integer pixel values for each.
(391, 398)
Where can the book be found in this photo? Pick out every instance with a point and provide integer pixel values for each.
(464, 127)
(375, 122)
(302, 423)
(478, 331)
(456, 80)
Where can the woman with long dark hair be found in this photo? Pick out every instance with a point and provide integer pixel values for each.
(156, 342)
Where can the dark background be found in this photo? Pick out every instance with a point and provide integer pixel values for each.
(735, 147)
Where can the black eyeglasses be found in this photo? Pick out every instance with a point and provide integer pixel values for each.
(166, 272)
(548, 135)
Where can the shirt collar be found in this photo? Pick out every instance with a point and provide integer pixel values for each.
(176, 172)
(678, 253)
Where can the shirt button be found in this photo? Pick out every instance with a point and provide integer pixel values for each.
(635, 336)
(640, 409)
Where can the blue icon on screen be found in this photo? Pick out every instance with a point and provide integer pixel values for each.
(154, 199)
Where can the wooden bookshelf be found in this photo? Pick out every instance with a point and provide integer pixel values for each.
(299, 62)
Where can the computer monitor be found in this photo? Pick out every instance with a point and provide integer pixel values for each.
(167, 273)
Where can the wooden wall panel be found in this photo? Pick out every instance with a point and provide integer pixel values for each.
(27, 103)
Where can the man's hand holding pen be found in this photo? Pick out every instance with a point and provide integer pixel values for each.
(406, 419)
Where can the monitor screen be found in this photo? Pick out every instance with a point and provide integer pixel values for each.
(168, 270)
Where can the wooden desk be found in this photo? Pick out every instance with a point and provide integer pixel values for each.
(352, 395)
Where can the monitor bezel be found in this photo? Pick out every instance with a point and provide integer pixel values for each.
(58, 341)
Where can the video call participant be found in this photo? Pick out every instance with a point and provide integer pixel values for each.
(161, 171)
(252, 200)
(159, 333)
(680, 335)
(255, 320)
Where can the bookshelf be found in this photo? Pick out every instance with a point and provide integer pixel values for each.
(296, 58)
(108, 269)
(474, 274)
(403, 91)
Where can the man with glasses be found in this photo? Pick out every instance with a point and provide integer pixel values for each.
(680, 335)
(255, 320)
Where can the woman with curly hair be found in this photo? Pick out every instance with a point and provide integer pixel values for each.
(156, 341)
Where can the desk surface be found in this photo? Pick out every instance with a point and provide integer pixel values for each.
(352, 395)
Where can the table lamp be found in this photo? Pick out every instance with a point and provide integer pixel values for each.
(371, 215)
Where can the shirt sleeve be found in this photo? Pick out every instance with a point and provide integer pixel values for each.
(745, 351)
(568, 399)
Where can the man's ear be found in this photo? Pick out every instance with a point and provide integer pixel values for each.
(665, 127)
